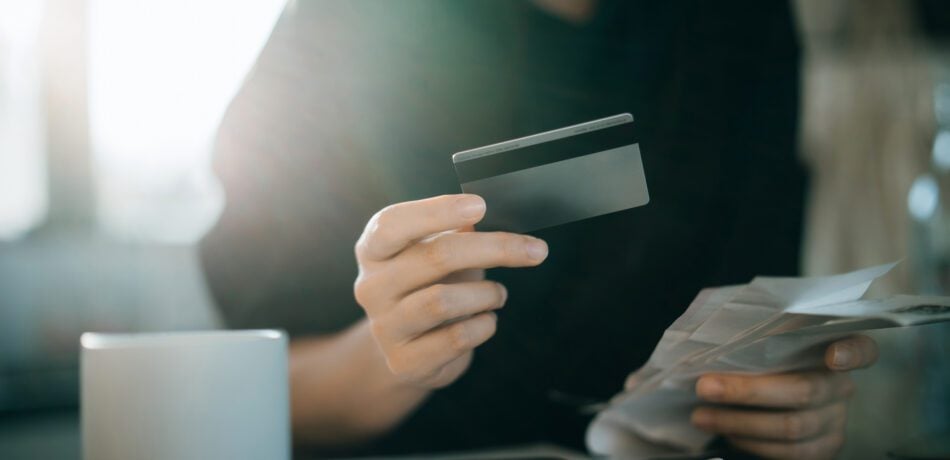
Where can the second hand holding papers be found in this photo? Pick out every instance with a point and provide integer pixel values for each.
(767, 326)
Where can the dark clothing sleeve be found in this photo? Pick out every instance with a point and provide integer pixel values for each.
(281, 251)
(354, 105)
(339, 118)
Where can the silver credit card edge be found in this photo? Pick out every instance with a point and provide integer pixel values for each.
(543, 137)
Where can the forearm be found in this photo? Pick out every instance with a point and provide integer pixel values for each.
(342, 392)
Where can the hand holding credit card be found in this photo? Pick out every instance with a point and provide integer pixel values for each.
(556, 177)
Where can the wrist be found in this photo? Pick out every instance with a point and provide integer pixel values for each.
(342, 391)
(385, 400)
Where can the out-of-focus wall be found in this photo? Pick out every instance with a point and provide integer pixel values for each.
(107, 113)
(56, 287)
(867, 131)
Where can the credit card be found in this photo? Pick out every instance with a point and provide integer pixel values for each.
(556, 177)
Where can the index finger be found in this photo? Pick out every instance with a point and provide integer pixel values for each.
(395, 227)
(790, 390)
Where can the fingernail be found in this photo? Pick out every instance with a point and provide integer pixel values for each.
(702, 419)
(844, 358)
(537, 250)
(504, 293)
(471, 206)
(710, 388)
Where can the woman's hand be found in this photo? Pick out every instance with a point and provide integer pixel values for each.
(421, 284)
(791, 415)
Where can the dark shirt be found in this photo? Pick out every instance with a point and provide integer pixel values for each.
(354, 105)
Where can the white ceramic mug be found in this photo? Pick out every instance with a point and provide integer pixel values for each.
(185, 395)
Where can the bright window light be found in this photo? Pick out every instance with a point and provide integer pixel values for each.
(23, 190)
(923, 198)
(161, 76)
(941, 153)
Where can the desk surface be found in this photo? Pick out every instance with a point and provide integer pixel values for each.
(55, 434)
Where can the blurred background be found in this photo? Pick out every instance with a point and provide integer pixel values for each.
(108, 109)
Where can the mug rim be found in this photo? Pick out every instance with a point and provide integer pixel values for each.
(123, 340)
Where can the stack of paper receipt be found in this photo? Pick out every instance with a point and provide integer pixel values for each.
(769, 325)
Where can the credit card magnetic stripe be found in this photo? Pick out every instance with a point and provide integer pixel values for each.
(547, 152)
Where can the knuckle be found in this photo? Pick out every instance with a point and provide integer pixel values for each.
(378, 330)
(733, 389)
(373, 226)
(398, 365)
(512, 248)
(360, 247)
(501, 246)
(460, 339)
(793, 426)
(380, 233)
(437, 252)
(436, 304)
(507, 246)
(379, 228)
(808, 390)
(382, 220)
(440, 378)
(809, 394)
(361, 290)
(405, 369)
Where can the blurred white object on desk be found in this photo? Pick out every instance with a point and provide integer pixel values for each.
(185, 395)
